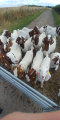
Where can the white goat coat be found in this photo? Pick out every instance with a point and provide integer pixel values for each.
(52, 56)
(15, 53)
(43, 72)
(14, 35)
(40, 43)
(24, 32)
(26, 29)
(41, 37)
(37, 60)
(3, 39)
(51, 31)
(42, 29)
(27, 45)
(26, 61)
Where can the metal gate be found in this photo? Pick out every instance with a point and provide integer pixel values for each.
(45, 103)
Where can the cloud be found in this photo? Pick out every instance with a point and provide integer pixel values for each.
(7, 3)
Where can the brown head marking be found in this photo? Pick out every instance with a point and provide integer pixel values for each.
(55, 59)
(32, 75)
(35, 39)
(5, 60)
(51, 41)
(7, 34)
(34, 31)
(21, 41)
(46, 44)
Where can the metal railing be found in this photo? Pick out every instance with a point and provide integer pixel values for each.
(45, 103)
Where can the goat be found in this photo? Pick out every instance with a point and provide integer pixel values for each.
(37, 40)
(14, 35)
(6, 33)
(24, 44)
(15, 53)
(3, 39)
(43, 72)
(24, 63)
(6, 61)
(20, 41)
(34, 31)
(8, 45)
(55, 60)
(31, 74)
(42, 29)
(49, 45)
(53, 31)
(24, 33)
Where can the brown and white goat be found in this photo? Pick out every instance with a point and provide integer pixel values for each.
(31, 74)
(5, 60)
(49, 45)
(34, 31)
(55, 60)
(24, 64)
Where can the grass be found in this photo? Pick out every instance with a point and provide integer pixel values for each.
(17, 18)
(57, 8)
(56, 17)
(24, 21)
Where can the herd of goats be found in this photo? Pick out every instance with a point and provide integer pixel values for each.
(30, 53)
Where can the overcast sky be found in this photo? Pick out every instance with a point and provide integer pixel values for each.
(12, 3)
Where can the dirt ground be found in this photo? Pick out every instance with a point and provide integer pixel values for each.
(44, 19)
(11, 99)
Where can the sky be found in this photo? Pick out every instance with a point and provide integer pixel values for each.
(15, 3)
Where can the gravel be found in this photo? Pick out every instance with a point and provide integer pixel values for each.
(44, 19)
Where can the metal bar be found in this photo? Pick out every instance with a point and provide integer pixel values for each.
(43, 101)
